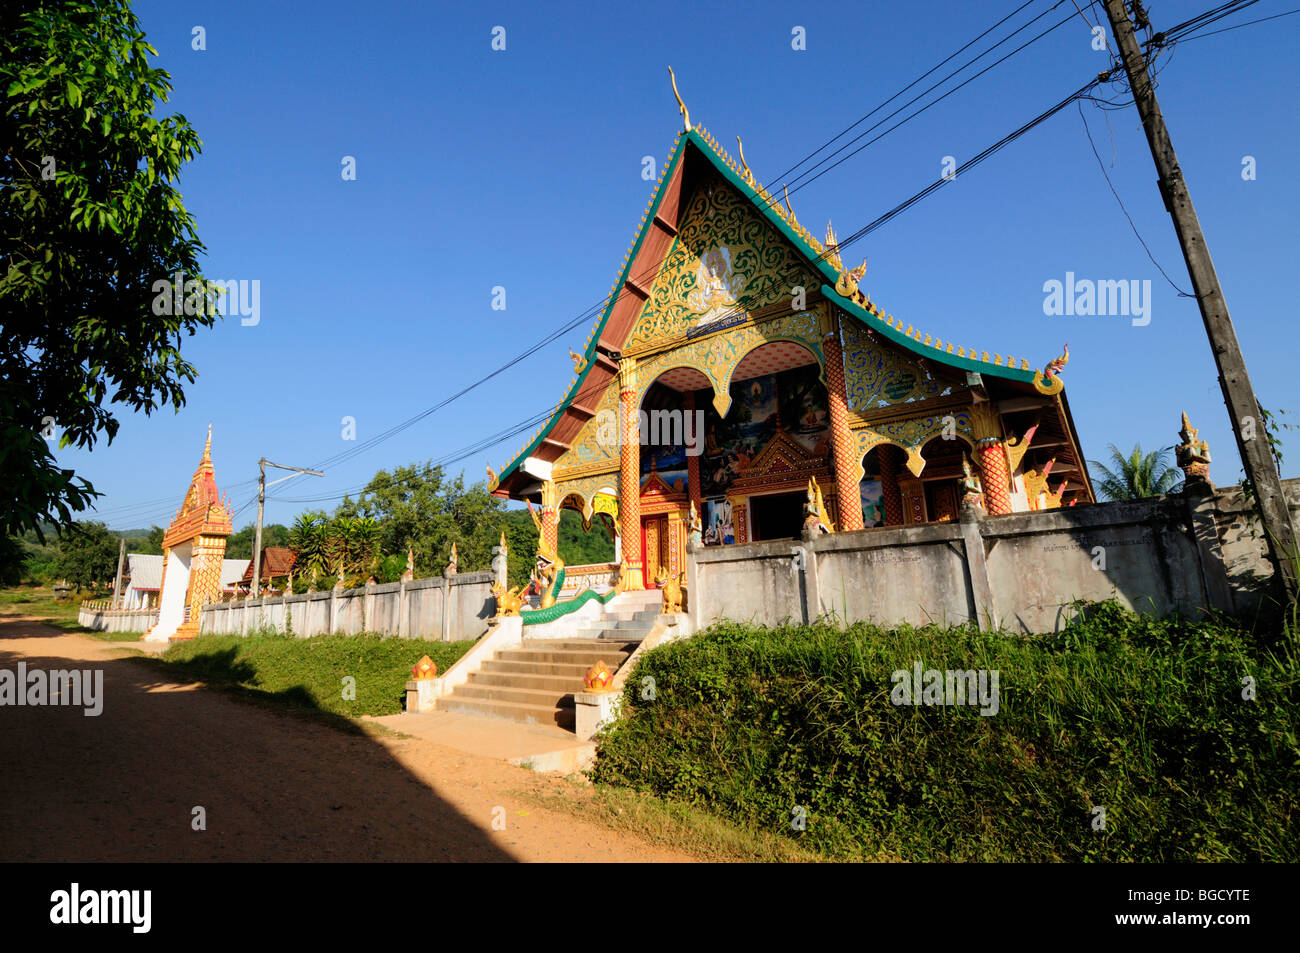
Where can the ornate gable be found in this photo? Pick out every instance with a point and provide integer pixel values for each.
(783, 461)
(726, 261)
(202, 513)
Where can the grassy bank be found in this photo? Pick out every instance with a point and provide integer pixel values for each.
(38, 602)
(1142, 719)
(311, 673)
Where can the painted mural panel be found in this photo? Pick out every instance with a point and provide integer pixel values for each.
(873, 503)
(797, 398)
(719, 529)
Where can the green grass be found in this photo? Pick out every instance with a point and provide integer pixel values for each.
(1143, 718)
(38, 602)
(310, 673)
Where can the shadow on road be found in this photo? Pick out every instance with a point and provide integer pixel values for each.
(125, 786)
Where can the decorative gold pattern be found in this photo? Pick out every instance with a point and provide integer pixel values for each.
(910, 436)
(877, 375)
(716, 357)
(759, 265)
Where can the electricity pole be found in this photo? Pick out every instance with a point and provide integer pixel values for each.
(261, 501)
(1256, 455)
(117, 584)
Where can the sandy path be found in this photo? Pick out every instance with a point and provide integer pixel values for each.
(122, 786)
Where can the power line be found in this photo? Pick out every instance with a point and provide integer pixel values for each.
(1101, 165)
(1238, 26)
(935, 102)
(587, 315)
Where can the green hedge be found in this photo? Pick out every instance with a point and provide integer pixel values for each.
(310, 672)
(1141, 717)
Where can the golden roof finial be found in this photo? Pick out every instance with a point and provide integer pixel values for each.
(748, 176)
(207, 447)
(681, 106)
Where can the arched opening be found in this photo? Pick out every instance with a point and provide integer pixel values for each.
(758, 459)
(581, 543)
(882, 504)
(935, 496)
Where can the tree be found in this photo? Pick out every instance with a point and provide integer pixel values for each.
(240, 544)
(87, 555)
(310, 542)
(93, 233)
(419, 508)
(1136, 476)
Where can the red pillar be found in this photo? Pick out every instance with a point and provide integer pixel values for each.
(994, 477)
(629, 461)
(848, 495)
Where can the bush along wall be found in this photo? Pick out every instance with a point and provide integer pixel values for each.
(1120, 738)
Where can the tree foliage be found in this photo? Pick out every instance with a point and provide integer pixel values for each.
(87, 555)
(1136, 476)
(90, 221)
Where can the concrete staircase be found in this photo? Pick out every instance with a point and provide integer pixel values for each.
(534, 683)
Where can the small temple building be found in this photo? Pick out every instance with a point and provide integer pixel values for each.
(194, 548)
(730, 314)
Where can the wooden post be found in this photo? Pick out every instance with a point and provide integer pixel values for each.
(1256, 455)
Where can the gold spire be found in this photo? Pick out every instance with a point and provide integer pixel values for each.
(207, 447)
(681, 106)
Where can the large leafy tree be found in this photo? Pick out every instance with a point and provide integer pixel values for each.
(88, 555)
(90, 222)
(1135, 476)
(419, 507)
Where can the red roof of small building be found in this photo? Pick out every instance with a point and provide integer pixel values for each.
(276, 561)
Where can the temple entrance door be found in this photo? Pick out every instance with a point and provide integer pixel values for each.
(776, 516)
(654, 548)
(941, 500)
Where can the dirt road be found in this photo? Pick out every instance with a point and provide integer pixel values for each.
(123, 786)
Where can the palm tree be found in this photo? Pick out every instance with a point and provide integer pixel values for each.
(310, 544)
(1136, 476)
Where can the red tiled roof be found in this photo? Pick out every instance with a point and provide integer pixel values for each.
(276, 561)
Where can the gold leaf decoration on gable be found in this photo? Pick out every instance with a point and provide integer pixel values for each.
(877, 375)
(725, 256)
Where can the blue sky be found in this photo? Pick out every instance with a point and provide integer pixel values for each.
(522, 168)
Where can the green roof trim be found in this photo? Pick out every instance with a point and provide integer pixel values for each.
(881, 327)
(820, 264)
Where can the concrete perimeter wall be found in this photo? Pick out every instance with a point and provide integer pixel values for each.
(117, 620)
(1179, 553)
(441, 608)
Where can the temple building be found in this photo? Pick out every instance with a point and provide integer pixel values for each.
(748, 360)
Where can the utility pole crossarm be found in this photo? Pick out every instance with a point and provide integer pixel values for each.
(1256, 455)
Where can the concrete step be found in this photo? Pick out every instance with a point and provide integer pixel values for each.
(558, 683)
(564, 669)
(587, 657)
(646, 615)
(518, 696)
(562, 645)
(510, 711)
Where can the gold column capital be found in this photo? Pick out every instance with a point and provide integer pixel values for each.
(627, 374)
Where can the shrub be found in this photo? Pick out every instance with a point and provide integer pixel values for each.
(1141, 717)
